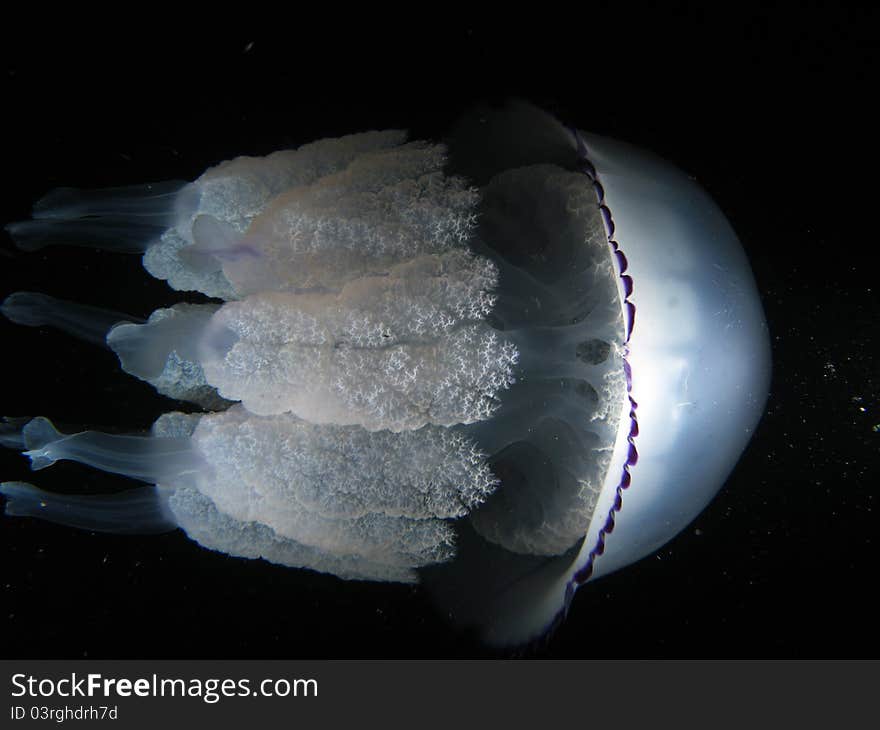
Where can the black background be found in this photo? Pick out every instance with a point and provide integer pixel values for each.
(768, 107)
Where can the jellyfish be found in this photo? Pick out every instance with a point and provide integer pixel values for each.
(504, 364)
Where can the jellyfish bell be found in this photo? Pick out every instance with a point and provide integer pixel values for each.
(697, 364)
(504, 366)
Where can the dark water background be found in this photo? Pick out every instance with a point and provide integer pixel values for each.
(768, 109)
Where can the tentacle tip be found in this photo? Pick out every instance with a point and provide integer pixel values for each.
(20, 306)
(14, 228)
(26, 235)
(39, 459)
(21, 499)
(8, 489)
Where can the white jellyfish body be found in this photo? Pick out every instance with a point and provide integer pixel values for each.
(466, 362)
